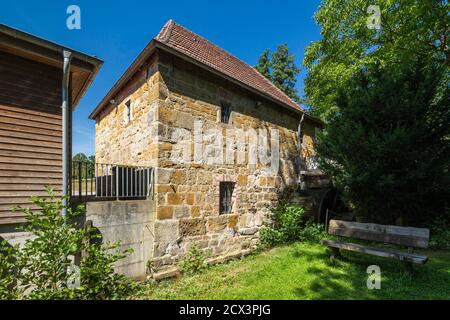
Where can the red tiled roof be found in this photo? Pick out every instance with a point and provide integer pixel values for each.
(177, 38)
(207, 53)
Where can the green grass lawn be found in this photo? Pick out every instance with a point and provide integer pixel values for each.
(303, 271)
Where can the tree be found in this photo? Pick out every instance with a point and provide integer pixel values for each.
(80, 157)
(385, 97)
(418, 28)
(280, 69)
(84, 164)
(91, 167)
(263, 65)
(388, 148)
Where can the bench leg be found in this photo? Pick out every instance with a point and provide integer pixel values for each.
(335, 253)
(408, 267)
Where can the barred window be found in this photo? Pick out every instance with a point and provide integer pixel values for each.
(226, 197)
(129, 112)
(225, 112)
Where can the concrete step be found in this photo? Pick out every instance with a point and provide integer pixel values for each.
(14, 238)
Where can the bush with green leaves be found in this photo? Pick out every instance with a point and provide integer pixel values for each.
(440, 233)
(313, 232)
(43, 267)
(194, 261)
(388, 148)
(289, 223)
(99, 281)
(7, 254)
(384, 96)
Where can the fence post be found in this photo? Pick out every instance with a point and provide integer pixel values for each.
(117, 182)
(80, 180)
(153, 183)
(148, 183)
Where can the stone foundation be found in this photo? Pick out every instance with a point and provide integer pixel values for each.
(131, 223)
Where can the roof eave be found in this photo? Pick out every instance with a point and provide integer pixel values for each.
(87, 84)
(18, 34)
(82, 61)
(168, 49)
(129, 73)
(147, 52)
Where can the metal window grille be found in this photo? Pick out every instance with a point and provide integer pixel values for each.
(226, 197)
(129, 111)
(225, 113)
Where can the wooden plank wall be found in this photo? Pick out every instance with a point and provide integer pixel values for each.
(30, 133)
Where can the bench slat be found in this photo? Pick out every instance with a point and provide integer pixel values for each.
(405, 236)
(402, 256)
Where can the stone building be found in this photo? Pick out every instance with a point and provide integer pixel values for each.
(193, 112)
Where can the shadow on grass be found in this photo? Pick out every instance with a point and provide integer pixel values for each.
(303, 271)
(348, 279)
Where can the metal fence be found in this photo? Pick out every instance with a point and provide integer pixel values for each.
(111, 181)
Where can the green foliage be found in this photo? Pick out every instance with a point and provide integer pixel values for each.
(194, 261)
(312, 232)
(303, 271)
(388, 148)
(80, 157)
(384, 95)
(7, 254)
(409, 28)
(98, 279)
(43, 267)
(440, 233)
(289, 224)
(83, 166)
(280, 69)
(270, 237)
(263, 65)
(288, 219)
(43, 261)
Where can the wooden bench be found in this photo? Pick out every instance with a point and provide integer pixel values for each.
(403, 236)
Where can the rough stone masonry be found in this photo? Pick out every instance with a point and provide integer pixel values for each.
(167, 96)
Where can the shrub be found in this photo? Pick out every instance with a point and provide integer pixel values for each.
(270, 237)
(194, 261)
(289, 224)
(313, 232)
(43, 267)
(440, 233)
(388, 149)
(7, 255)
(98, 279)
(43, 261)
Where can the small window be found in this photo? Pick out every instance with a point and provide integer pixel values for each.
(129, 112)
(226, 197)
(225, 112)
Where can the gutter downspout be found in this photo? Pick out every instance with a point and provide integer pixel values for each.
(65, 128)
(300, 182)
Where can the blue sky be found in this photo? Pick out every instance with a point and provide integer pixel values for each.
(116, 32)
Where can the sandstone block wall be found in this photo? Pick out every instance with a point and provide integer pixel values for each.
(173, 96)
(119, 141)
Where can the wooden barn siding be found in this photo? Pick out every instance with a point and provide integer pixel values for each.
(30, 133)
